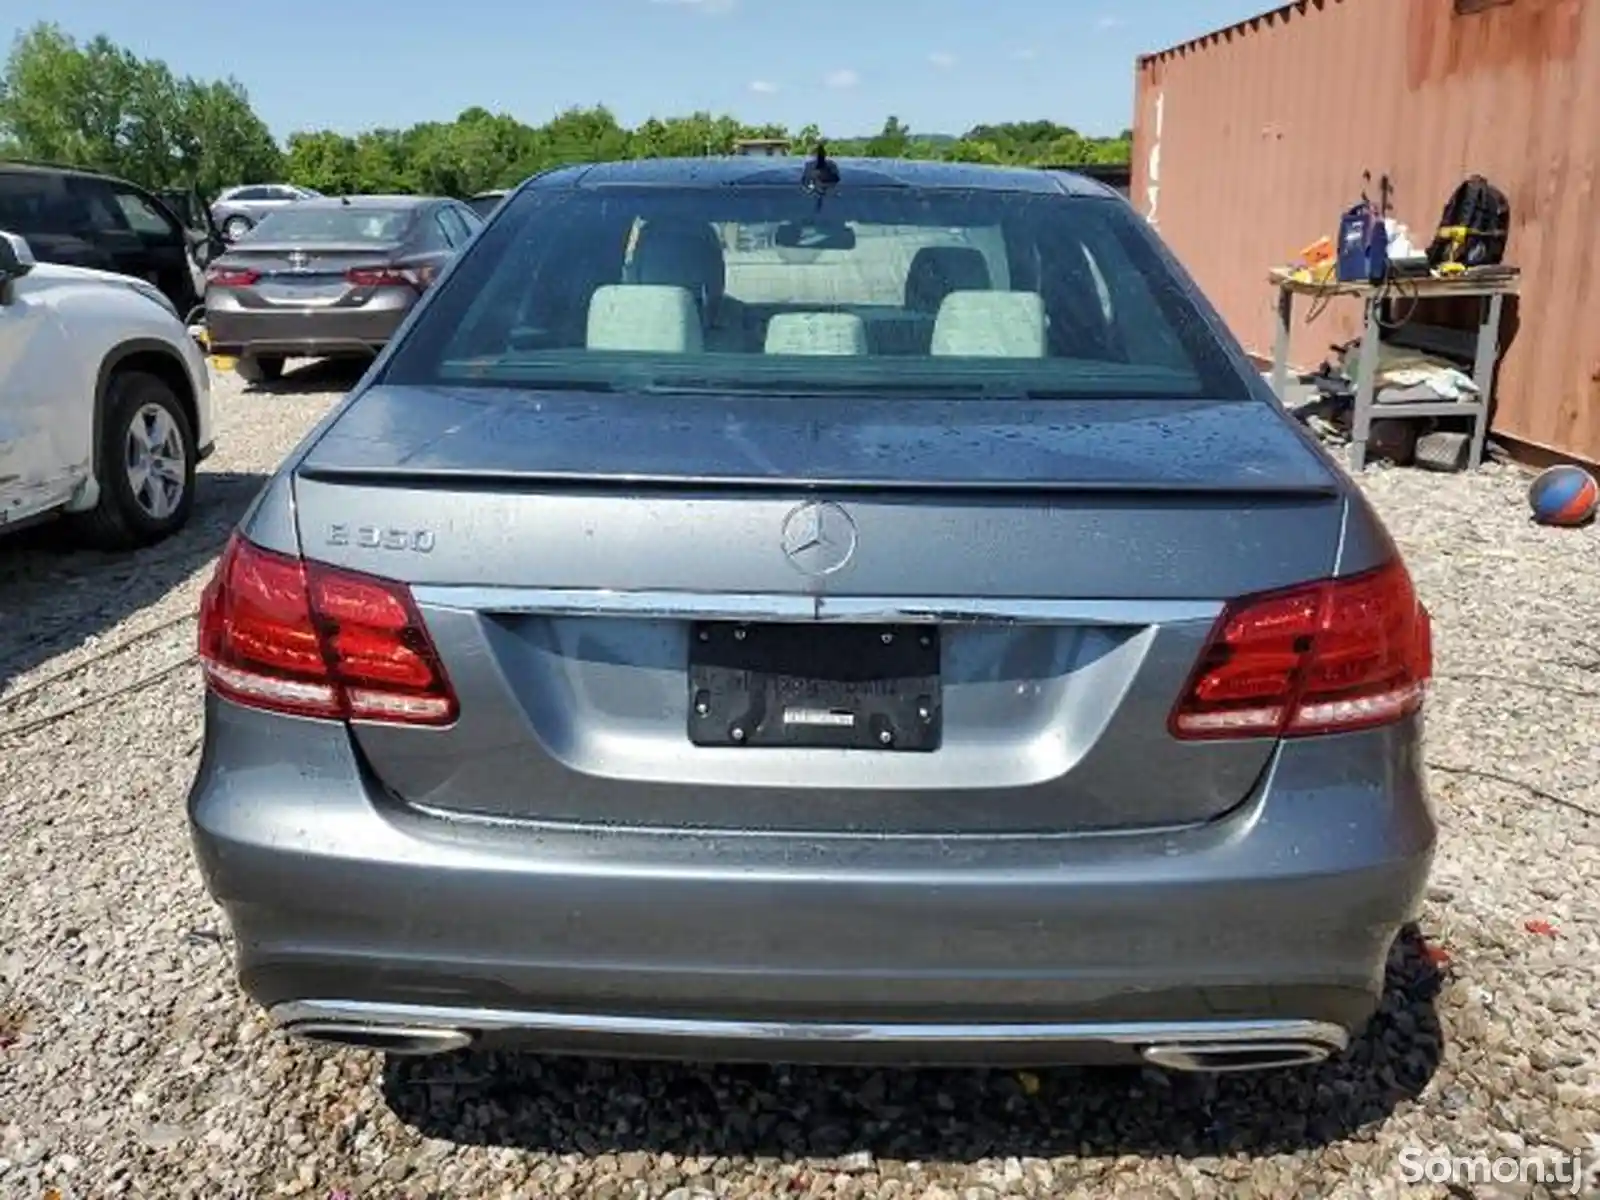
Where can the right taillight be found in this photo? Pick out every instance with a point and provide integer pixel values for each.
(316, 641)
(374, 277)
(1326, 657)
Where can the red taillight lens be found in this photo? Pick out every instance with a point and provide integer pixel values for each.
(1329, 657)
(225, 277)
(302, 638)
(384, 277)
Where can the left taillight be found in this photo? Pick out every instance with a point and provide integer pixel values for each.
(228, 277)
(310, 640)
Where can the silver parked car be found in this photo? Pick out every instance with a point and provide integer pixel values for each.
(238, 210)
(920, 636)
(329, 278)
(484, 203)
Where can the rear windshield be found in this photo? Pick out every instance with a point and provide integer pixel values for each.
(356, 223)
(763, 288)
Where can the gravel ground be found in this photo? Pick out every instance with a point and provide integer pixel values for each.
(129, 1064)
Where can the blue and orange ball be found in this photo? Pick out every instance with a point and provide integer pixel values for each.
(1564, 495)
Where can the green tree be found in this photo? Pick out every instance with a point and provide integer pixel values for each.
(971, 150)
(219, 139)
(99, 105)
(323, 160)
(890, 142)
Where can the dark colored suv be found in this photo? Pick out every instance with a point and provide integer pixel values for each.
(84, 219)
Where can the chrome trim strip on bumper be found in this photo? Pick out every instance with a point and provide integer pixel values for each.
(781, 606)
(1190, 1034)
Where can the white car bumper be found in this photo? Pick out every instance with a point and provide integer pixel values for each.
(194, 358)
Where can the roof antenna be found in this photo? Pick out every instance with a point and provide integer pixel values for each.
(820, 174)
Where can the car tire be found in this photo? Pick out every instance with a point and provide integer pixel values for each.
(236, 227)
(254, 368)
(146, 465)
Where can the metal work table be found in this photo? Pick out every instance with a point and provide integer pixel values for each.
(1490, 289)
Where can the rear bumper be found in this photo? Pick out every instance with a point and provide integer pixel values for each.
(301, 333)
(1206, 1044)
(1038, 949)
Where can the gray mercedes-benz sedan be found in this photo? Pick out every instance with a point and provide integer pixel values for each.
(755, 611)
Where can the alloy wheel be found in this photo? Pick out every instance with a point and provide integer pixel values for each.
(155, 462)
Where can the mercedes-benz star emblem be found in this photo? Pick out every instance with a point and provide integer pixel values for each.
(819, 538)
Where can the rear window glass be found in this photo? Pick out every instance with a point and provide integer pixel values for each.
(763, 288)
(40, 204)
(356, 223)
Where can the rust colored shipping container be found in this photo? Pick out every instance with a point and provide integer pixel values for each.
(1249, 143)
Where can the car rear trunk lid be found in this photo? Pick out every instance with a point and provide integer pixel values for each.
(296, 275)
(1065, 561)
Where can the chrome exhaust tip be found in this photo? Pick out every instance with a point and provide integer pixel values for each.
(1214, 1057)
(409, 1040)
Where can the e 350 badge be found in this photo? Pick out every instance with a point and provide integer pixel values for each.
(378, 537)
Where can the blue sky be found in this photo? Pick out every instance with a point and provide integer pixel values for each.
(940, 65)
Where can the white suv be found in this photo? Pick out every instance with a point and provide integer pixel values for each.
(105, 402)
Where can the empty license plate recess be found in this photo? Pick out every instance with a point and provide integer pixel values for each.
(852, 687)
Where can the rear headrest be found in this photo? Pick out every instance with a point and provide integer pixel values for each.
(936, 271)
(816, 333)
(990, 325)
(683, 254)
(637, 316)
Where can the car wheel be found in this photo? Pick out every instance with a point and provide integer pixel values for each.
(147, 465)
(254, 368)
(235, 228)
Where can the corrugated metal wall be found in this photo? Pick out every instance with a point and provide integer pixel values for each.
(1251, 141)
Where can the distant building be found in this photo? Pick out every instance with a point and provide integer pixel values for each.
(762, 147)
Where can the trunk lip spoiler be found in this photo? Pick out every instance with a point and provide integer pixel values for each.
(291, 245)
(811, 607)
(474, 480)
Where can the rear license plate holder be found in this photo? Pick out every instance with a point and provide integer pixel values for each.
(301, 293)
(804, 686)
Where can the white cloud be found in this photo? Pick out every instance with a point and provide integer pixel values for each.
(942, 58)
(764, 87)
(843, 78)
(709, 7)
(1108, 22)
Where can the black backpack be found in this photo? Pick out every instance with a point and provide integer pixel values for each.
(1474, 226)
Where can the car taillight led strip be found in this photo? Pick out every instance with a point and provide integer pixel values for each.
(1327, 657)
(369, 277)
(388, 277)
(303, 638)
(226, 277)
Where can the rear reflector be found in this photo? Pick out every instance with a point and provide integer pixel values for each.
(1328, 657)
(224, 277)
(316, 641)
